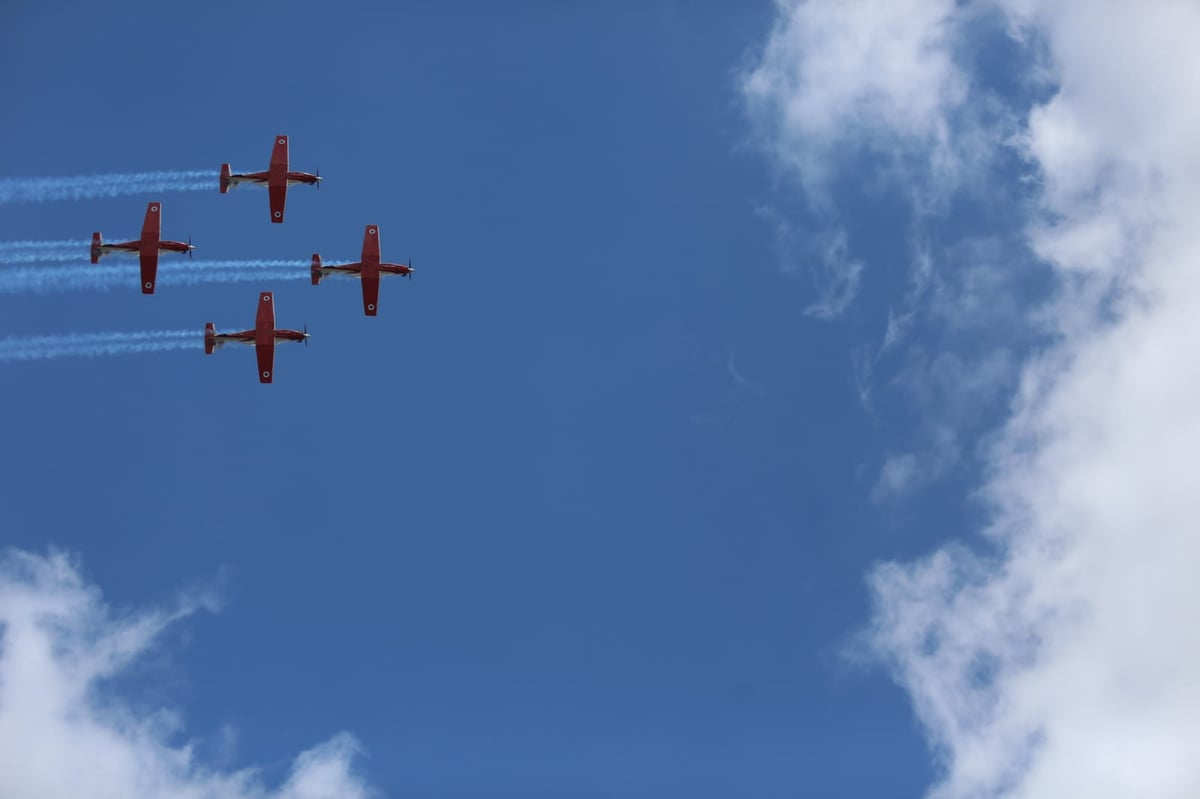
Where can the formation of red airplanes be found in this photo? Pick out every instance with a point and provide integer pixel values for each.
(370, 269)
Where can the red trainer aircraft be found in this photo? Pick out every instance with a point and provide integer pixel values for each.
(147, 247)
(277, 178)
(369, 270)
(263, 337)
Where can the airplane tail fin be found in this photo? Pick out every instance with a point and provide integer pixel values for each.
(225, 184)
(96, 244)
(210, 338)
(316, 268)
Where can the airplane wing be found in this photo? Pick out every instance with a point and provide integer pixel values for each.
(264, 322)
(264, 336)
(149, 270)
(371, 244)
(266, 360)
(277, 177)
(278, 200)
(152, 227)
(370, 286)
(279, 153)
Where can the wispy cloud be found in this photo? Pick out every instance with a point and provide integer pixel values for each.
(822, 256)
(839, 278)
(903, 473)
(834, 77)
(58, 640)
(739, 379)
(872, 90)
(867, 99)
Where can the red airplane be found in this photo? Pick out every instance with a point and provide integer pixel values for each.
(147, 247)
(369, 270)
(277, 178)
(263, 337)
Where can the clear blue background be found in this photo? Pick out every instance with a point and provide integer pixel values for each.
(526, 532)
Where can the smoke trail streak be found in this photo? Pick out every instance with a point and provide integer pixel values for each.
(62, 244)
(26, 252)
(84, 187)
(64, 255)
(94, 345)
(46, 279)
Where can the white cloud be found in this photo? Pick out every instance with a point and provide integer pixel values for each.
(953, 351)
(824, 257)
(906, 472)
(871, 88)
(878, 73)
(1057, 656)
(1064, 664)
(739, 379)
(897, 477)
(59, 737)
(838, 278)
(838, 79)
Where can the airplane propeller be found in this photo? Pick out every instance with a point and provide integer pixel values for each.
(190, 247)
(318, 184)
(305, 335)
(410, 268)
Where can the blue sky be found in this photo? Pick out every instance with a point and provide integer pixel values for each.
(589, 509)
(525, 531)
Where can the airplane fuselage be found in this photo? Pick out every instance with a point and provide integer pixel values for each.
(263, 179)
(251, 337)
(136, 248)
(356, 271)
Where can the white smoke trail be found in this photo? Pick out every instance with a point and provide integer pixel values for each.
(60, 244)
(27, 252)
(94, 345)
(192, 277)
(102, 277)
(84, 187)
(44, 256)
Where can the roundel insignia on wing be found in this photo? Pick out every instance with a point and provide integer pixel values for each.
(266, 373)
(370, 306)
(278, 214)
(282, 140)
(149, 284)
(266, 298)
(371, 231)
(154, 209)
